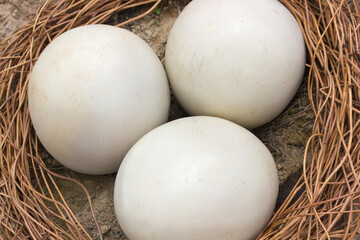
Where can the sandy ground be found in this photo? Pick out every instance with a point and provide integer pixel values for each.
(285, 136)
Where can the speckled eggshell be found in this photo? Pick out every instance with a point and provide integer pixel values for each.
(93, 92)
(242, 60)
(196, 178)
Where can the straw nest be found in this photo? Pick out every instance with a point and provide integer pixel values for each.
(324, 204)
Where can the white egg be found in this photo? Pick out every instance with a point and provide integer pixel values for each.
(242, 60)
(93, 92)
(196, 178)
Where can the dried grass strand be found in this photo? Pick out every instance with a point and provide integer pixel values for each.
(329, 189)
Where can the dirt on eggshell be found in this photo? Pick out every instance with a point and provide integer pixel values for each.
(285, 137)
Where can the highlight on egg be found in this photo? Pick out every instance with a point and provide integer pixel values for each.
(196, 178)
(242, 60)
(93, 92)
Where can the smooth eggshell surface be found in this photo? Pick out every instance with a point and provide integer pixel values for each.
(196, 178)
(93, 92)
(242, 60)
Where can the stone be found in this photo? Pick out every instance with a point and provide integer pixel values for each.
(105, 229)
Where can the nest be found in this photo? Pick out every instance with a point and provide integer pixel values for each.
(324, 203)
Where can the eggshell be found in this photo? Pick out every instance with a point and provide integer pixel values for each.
(93, 92)
(242, 60)
(196, 178)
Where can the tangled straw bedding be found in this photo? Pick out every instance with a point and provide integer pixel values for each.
(324, 204)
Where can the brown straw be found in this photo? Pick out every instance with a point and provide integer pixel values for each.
(324, 204)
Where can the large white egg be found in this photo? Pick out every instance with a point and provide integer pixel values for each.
(242, 60)
(196, 178)
(93, 92)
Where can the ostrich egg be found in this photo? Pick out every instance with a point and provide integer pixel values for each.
(197, 178)
(94, 91)
(242, 60)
